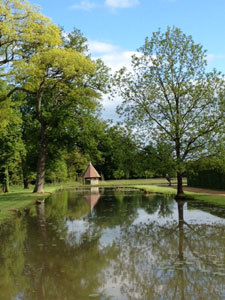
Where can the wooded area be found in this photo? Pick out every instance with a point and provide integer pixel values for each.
(50, 105)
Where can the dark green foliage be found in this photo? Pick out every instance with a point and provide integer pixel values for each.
(207, 173)
(158, 160)
(75, 40)
(11, 151)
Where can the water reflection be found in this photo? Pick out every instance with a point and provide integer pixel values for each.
(112, 244)
(92, 197)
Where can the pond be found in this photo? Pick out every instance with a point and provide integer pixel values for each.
(114, 244)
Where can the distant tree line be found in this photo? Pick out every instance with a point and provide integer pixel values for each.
(50, 110)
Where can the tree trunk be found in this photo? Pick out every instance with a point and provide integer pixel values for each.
(5, 185)
(25, 177)
(25, 183)
(41, 164)
(180, 191)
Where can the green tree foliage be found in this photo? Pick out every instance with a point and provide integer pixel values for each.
(23, 28)
(11, 149)
(7, 109)
(68, 106)
(75, 40)
(55, 79)
(10, 155)
(158, 160)
(207, 173)
(121, 154)
(170, 94)
(56, 171)
(23, 32)
(76, 163)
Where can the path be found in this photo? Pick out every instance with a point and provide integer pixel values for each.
(205, 191)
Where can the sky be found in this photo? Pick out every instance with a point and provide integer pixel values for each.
(117, 28)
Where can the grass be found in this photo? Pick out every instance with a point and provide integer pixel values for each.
(217, 200)
(18, 198)
(131, 182)
(156, 189)
(210, 199)
(160, 186)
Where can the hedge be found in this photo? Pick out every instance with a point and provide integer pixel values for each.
(207, 179)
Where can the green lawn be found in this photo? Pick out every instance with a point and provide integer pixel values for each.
(18, 198)
(211, 199)
(156, 189)
(207, 198)
(129, 182)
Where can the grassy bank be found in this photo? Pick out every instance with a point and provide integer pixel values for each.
(131, 182)
(203, 197)
(160, 186)
(210, 199)
(156, 189)
(18, 198)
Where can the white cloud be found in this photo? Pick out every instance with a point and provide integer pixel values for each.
(119, 59)
(99, 47)
(115, 58)
(113, 4)
(112, 55)
(84, 5)
(121, 3)
(213, 57)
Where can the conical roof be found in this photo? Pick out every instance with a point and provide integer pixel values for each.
(91, 172)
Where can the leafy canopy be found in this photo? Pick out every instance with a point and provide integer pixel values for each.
(23, 28)
(170, 94)
(51, 68)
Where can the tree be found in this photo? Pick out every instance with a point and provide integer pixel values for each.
(10, 153)
(58, 82)
(11, 144)
(7, 109)
(24, 30)
(158, 160)
(170, 94)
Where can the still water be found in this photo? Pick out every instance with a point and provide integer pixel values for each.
(114, 244)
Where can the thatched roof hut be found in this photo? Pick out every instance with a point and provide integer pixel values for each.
(91, 176)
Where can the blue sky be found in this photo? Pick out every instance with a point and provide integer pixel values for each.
(116, 28)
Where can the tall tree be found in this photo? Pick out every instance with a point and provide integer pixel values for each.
(23, 31)
(170, 94)
(59, 84)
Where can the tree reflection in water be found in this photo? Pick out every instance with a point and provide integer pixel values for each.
(174, 261)
(126, 245)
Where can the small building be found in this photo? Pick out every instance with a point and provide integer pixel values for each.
(91, 176)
